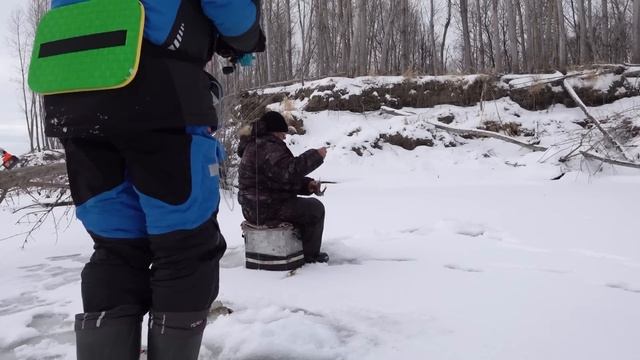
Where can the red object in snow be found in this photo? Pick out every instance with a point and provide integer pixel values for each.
(8, 160)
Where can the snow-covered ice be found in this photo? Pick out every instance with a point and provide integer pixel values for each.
(436, 253)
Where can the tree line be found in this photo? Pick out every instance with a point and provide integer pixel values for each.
(318, 38)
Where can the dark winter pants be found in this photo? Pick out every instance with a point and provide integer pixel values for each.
(149, 202)
(306, 214)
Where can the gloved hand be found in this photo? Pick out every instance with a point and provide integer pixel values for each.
(246, 60)
(316, 188)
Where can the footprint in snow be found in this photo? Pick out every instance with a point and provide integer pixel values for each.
(55, 339)
(50, 322)
(44, 277)
(23, 302)
(471, 231)
(410, 230)
(462, 268)
(52, 277)
(66, 257)
(624, 287)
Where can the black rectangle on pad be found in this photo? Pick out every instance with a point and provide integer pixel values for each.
(83, 43)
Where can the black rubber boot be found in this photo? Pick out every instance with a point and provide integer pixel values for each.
(108, 335)
(321, 257)
(176, 336)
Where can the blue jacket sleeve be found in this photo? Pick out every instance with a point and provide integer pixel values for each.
(237, 21)
(58, 3)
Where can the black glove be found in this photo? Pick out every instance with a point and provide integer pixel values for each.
(261, 46)
(229, 52)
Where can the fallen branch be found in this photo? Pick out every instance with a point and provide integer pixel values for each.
(40, 206)
(46, 185)
(44, 177)
(593, 156)
(595, 70)
(545, 79)
(484, 133)
(395, 112)
(593, 120)
(631, 74)
(284, 84)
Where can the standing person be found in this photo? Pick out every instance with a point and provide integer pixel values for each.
(143, 172)
(271, 178)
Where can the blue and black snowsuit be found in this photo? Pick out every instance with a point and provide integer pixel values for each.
(143, 172)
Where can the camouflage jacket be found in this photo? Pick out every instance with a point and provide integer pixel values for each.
(269, 175)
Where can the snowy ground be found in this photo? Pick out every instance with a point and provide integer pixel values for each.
(469, 252)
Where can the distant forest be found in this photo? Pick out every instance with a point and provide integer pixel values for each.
(317, 38)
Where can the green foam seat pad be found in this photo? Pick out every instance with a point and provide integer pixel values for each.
(86, 46)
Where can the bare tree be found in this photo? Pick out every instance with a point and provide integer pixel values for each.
(23, 26)
(497, 48)
(582, 32)
(636, 31)
(404, 35)
(513, 36)
(466, 37)
(387, 39)
(432, 39)
(444, 37)
(479, 36)
(523, 43)
(604, 31)
(361, 53)
(562, 36)
(530, 44)
(322, 38)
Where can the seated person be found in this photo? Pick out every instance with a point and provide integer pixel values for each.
(271, 178)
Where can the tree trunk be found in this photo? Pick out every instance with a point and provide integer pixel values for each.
(289, 70)
(562, 37)
(582, 32)
(481, 54)
(404, 35)
(497, 48)
(301, 20)
(444, 37)
(523, 43)
(464, 17)
(346, 21)
(321, 34)
(636, 32)
(432, 40)
(605, 37)
(266, 24)
(591, 35)
(360, 48)
(531, 36)
(388, 36)
(513, 37)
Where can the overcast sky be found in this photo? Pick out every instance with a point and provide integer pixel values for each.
(13, 132)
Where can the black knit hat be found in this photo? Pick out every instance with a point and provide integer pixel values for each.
(274, 122)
